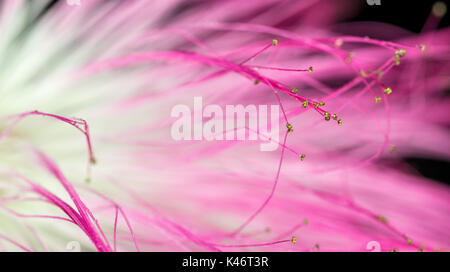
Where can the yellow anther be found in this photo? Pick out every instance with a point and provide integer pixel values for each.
(340, 122)
(393, 148)
(397, 60)
(334, 115)
(400, 53)
(274, 42)
(379, 73)
(305, 221)
(381, 218)
(267, 230)
(349, 57)
(377, 99)
(327, 118)
(288, 125)
(410, 242)
(420, 250)
(395, 250)
(326, 114)
(305, 104)
(294, 90)
(290, 130)
(310, 69)
(363, 74)
(388, 91)
(439, 9)
(256, 82)
(317, 246)
(93, 160)
(315, 105)
(423, 47)
(302, 157)
(294, 239)
(322, 104)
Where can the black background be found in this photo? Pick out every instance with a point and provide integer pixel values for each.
(410, 15)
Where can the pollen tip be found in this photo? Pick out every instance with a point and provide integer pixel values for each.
(349, 57)
(400, 53)
(382, 219)
(439, 9)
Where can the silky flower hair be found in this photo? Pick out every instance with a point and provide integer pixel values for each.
(87, 156)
